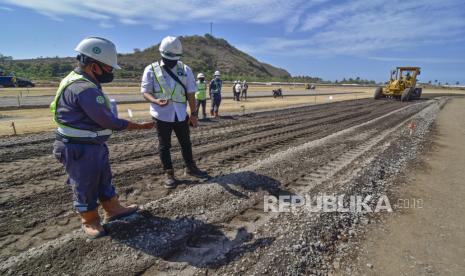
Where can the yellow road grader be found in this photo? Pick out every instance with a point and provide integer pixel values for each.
(402, 85)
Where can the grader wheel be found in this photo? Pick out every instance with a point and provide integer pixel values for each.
(378, 93)
(406, 95)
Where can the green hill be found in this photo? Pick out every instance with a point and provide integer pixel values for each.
(202, 53)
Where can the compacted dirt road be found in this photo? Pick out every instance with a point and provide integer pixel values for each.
(217, 225)
(428, 237)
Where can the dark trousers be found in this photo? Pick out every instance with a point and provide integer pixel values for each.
(236, 96)
(202, 103)
(216, 101)
(164, 131)
(89, 173)
(244, 93)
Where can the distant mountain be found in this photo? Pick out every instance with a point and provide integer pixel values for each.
(207, 54)
(202, 53)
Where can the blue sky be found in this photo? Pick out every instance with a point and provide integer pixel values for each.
(328, 39)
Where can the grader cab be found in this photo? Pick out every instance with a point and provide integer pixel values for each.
(402, 85)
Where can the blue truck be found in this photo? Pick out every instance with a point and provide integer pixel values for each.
(12, 81)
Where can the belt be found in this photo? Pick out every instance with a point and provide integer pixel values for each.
(81, 133)
(84, 141)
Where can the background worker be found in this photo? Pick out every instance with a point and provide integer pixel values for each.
(85, 122)
(169, 85)
(215, 93)
(201, 95)
(408, 77)
(245, 86)
(237, 91)
(234, 90)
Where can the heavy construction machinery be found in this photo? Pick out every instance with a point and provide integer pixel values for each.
(402, 85)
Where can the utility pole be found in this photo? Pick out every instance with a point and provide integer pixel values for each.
(211, 28)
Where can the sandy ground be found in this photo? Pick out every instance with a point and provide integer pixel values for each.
(37, 120)
(13, 98)
(427, 239)
(123, 90)
(112, 90)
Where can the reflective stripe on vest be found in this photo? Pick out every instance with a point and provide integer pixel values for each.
(216, 86)
(62, 127)
(81, 133)
(178, 94)
(201, 91)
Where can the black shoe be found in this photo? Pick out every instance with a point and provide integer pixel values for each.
(169, 182)
(193, 170)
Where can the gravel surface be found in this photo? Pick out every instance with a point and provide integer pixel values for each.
(217, 225)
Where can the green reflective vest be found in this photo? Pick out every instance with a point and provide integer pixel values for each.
(216, 86)
(177, 94)
(201, 91)
(62, 127)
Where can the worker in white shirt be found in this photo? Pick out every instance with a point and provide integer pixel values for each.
(169, 85)
(237, 90)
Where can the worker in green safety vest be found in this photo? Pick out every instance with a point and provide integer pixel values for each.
(85, 122)
(201, 95)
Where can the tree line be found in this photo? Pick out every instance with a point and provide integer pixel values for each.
(53, 69)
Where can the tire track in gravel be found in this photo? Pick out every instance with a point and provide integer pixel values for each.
(31, 146)
(212, 247)
(121, 149)
(11, 175)
(59, 220)
(312, 242)
(162, 237)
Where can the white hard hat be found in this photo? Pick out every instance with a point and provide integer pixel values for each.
(200, 75)
(100, 49)
(217, 73)
(171, 48)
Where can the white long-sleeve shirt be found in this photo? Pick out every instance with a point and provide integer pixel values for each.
(167, 113)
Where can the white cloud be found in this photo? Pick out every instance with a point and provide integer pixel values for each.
(6, 9)
(106, 25)
(166, 13)
(312, 27)
(421, 60)
(360, 27)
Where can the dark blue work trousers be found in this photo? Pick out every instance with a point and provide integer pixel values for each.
(216, 101)
(89, 173)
